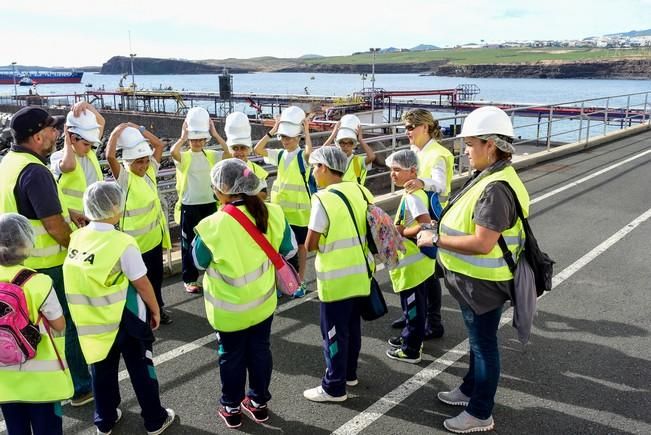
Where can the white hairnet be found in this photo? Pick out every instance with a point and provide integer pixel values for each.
(234, 177)
(16, 239)
(405, 159)
(103, 200)
(332, 157)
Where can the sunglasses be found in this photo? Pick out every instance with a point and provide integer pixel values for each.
(410, 127)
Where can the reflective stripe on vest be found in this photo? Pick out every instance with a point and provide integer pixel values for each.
(290, 193)
(338, 244)
(428, 157)
(242, 280)
(74, 183)
(286, 186)
(238, 308)
(139, 211)
(34, 365)
(97, 301)
(458, 221)
(76, 193)
(47, 252)
(97, 329)
(144, 230)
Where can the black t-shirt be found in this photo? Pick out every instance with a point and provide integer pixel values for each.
(36, 191)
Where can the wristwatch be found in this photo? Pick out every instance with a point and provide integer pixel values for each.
(270, 135)
(142, 129)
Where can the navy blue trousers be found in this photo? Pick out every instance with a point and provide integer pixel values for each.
(248, 350)
(153, 259)
(191, 215)
(341, 331)
(433, 323)
(414, 307)
(134, 342)
(33, 418)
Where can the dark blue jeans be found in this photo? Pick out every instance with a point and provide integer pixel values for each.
(414, 307)
(480, 383)
(341, 331)
(33, 418)
(191, 215)
(74, 356)
(242, 351)
(433, 324)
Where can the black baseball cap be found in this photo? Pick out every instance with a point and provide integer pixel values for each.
(31, 119)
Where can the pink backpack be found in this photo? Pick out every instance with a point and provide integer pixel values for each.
(18, 335)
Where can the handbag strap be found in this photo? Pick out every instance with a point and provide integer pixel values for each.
(255, 234)
(352, 215)
(508, 257)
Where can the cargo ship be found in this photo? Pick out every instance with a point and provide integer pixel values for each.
(40, 78)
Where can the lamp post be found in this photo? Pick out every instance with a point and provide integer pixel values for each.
(13, 73)
(133, 77)
(373, 52)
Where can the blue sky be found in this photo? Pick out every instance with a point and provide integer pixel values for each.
(77, 33)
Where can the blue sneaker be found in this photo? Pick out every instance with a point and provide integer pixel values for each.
(302, 291)
(279, 294)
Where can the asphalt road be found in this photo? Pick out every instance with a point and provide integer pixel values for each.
(586, 370)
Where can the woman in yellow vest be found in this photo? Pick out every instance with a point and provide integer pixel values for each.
(31, 393)
(143, 216)
(435, 169)
(238, 139)
(413, 275)
(114, 308)
(239, 288)
(195, 197)
(341, 270)
(76, 166)
(473, 264)
(346, 135)
(291, 189)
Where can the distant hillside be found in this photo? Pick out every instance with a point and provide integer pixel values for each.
(633, 33)
(424, 47)
(149, 65)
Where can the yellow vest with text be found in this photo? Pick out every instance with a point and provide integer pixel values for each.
(47, 252)
(96, 288)
(340, 266)
(289, 191)
(458, 220)
(356, 170)
(182, 177)
(73, 184)
(40, 379)
(143, 216)
(240, 282)
(413, 266)
(428, 158)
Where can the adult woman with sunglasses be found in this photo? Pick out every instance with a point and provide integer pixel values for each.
(435, 167)
(473, 264)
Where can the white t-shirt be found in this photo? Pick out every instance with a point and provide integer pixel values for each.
(131, 264)
(198, 189)
(86, 166)
(288, 156)
(125, 173)
(319, 220)
(414, 207)
(438, 178)
(51, 308)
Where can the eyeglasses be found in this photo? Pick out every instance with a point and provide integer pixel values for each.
(410, 127)
(346, 142)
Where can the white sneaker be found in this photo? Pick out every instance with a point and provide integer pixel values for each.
(318, 395)
(466, 423)
(171, 416)
(352, 383)
(119, 412)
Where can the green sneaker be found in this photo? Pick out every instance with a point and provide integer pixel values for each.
(400, 355)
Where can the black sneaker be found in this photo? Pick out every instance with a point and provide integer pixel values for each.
(258, 413)
(232, 418)
(395, 342)
(165, 318)
(399, 323)
(432, 333)
(400, 355)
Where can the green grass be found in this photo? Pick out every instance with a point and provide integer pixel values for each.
(489, 56)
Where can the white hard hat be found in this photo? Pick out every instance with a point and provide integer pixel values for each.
(141, 150)
(290, 121)
(198, 123)
(348, 128)
(238, 129)
(487, 120)
(131, 138)
(85, 125)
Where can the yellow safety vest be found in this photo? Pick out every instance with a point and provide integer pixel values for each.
(258, 170)
(239, 284)
(96, 288)
(289, 192)
(47, 252)
(143, 216)
(356, 170)
(340, 266)
(413, 266)
(428, 158)
(41, 378)
(182, 177)
(458, 220)
(73, 184)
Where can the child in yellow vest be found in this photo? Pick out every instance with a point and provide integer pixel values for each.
(31, 392)
(143, 216)
(196, 199)
(291, 188)
(114, 308)
(412, 277)
(346, 135)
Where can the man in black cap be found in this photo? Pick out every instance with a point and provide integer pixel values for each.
(28, 187)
